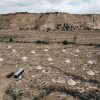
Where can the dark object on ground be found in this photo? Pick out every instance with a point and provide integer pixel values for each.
(65, 42)
(18, 72)
(11, 40)
(10, 74)
(98, 45)
(41, 42)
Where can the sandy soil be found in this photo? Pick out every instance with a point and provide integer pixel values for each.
(3, 86)
(53, 71)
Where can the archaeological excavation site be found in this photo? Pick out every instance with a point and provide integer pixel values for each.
(49, 56)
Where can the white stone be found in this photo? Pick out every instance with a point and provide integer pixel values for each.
(67, 61)
(61, 81)
(77, 51)
(24, 58)
(93, 87)
(63, 50)
(33, 52)
(46, 50)
(53, 80)
(90, 62)
(33, 76)
(51, 63)
(84, 68)
(73, 68)
(75, 55)
(45, 71)
(90, 72)
(71, 82)
(9, 47)
(50, 59)
(1, 59)
(13, 50)
(58, 81)
(20, 77)
(39, 67)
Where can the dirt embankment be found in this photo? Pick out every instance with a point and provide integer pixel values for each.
(50, 21)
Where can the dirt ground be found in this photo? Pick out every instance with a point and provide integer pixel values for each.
(51, 71)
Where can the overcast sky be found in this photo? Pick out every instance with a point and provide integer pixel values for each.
(69, 6)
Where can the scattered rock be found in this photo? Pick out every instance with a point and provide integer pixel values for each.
(33, 76)
(45, 71)
(24, 59)
(39, 67)
(67, 61)
(33, 52)
(63, 50)
(58, 81)
(71, 82)
(13, 50)
(90, 72)
(77, 50)
(45, 50)
(20, 77)
(73, 68)
(50, 59)
(90, 62)
(1, 59)
(9, 47)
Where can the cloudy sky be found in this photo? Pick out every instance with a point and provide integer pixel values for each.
(69, 6)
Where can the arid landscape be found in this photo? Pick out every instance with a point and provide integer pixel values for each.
(59, 52)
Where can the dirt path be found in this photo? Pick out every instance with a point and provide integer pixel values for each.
(3, 85)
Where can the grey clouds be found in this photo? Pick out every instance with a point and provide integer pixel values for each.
(68, 6)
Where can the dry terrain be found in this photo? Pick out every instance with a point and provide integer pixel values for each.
(58, 65)
(49, 21)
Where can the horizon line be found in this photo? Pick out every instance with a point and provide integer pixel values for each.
(26, 12)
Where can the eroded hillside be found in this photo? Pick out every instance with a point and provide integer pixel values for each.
(49, 21)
